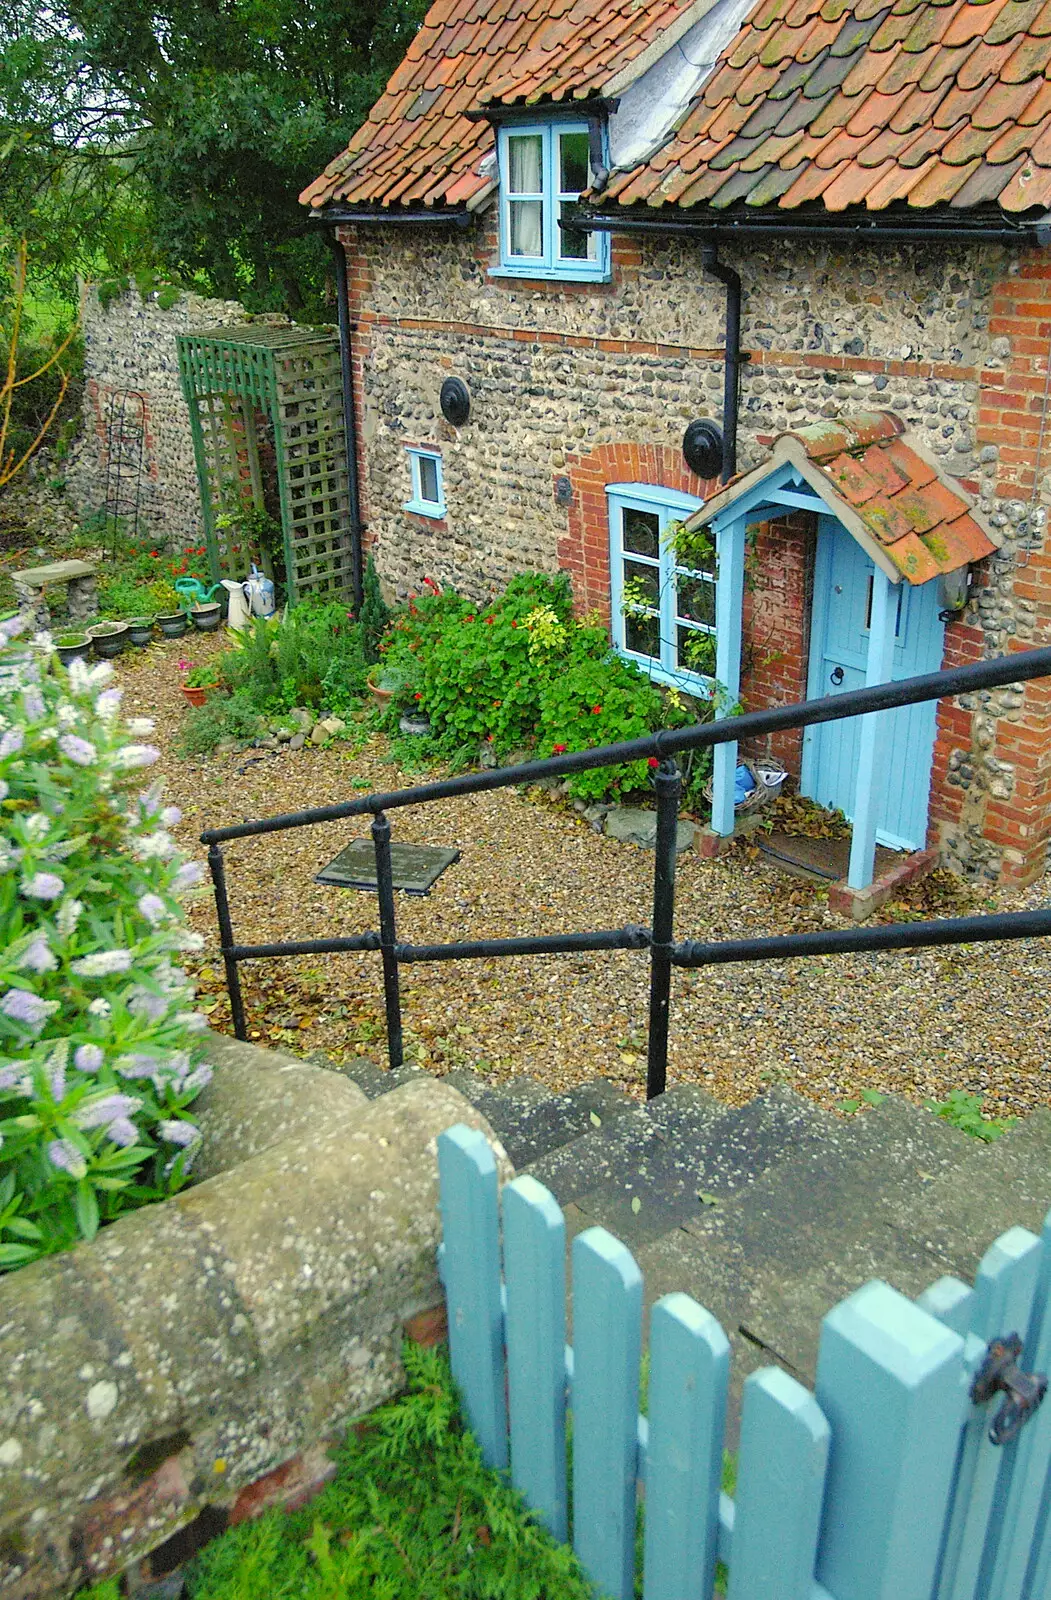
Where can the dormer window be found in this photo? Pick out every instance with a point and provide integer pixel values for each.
(544, 168)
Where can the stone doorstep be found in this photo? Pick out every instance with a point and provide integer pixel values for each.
(54, 572)
(861, 903)
(710, 845)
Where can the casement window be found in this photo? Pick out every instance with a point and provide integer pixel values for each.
(428, 493)
(663, 612)
(544, 167)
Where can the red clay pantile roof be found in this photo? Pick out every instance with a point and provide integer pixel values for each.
(920, 102)
(887, 492)
(418, 147)
(831, 104)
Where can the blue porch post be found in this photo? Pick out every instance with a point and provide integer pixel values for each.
(872, 744)
(729, 601)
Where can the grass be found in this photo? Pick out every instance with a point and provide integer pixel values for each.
(412, 1514)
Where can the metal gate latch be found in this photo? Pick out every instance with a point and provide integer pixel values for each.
(1024, 1390)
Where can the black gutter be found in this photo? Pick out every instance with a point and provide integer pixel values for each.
(711, 228)
(595, 106)
(350, 420)
(330, 216)
(731, 354)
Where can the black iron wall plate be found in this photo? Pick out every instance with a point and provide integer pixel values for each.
(455, 401)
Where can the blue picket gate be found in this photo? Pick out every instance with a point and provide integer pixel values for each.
(881, 1485)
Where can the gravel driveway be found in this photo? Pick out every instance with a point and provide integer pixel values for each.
(918, 1024)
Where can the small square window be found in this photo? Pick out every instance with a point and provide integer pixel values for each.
(428, 493)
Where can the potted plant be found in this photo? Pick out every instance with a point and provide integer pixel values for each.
(206, 618)
(72, 647)
(387, 683)
(108, 639)
(170, 617)
(200, 682)
(140, 631)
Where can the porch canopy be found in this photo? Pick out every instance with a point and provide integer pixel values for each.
(913, 521)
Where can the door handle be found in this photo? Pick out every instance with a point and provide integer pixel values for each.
(837, 675)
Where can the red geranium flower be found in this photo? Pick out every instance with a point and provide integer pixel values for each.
(560, 750)
(154, 552)
(470, 618)
(514, 624)
(417, 696)
(653, 762)
(596, 711)
(490, 619)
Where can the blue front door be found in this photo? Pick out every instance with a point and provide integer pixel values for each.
(838, 651)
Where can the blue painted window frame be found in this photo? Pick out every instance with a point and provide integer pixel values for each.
(671, 506)
(417, 502)
(549, 264)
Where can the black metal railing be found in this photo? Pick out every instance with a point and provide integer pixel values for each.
(664, 952)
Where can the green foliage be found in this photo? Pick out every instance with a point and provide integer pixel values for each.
(522, 672)
(413, 1514)
(32, 402)
(221, 718)
(97, 1041)
(314, 658)
(964, 1111)
(867, 1097)
(375, 614)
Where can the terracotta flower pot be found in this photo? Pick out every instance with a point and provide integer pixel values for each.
(195, 696)
(382, 697)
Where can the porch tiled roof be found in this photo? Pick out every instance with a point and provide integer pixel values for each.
(419, 148)
(839, 103)
(881, 485)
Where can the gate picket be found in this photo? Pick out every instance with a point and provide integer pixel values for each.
(1004, 1288)
(885, 1486)
(471, 1269)
(781, 1477)
(534, 1259)
(607, 1345)
(1026, 1495)
(689, 1373)
(888, 1381)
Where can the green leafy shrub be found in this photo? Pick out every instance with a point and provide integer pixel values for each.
(313, 658)
(964, 1111)
(222, 718)
(375, 614)
(98, 1041)
(523, 672)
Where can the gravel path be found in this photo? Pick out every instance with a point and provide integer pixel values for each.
(918, 1024)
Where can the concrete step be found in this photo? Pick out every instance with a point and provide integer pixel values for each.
(703, 1153)
(772, 1259)
(531, 1126)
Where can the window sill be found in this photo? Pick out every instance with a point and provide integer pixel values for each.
(691, 683)
(528, 274)
(421, 508)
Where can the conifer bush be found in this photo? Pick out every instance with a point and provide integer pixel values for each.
(99, 1042)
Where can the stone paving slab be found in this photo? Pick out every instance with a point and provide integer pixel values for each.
(54, 572)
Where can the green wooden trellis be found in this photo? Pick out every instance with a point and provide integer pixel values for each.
(292, 377)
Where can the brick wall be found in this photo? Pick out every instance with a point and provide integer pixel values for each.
(596, 383)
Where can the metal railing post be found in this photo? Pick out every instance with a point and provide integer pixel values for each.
(668, 785)
(226, 937)
(388, 939)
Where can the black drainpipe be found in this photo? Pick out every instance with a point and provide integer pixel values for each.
(731, 354)
(357, 527)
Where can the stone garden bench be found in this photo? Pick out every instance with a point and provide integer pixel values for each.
(76, 577)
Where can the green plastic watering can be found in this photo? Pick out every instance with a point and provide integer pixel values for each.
(193, 590)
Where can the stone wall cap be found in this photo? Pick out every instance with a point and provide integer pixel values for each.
(55, 572)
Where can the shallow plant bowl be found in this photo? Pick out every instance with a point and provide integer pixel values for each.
(73, 647)
(206, 618)
(108, 639)
(140, 631)
(172, 626)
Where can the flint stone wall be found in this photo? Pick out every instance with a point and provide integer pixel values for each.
(129, 350)
(951, 337)
(199, 1353)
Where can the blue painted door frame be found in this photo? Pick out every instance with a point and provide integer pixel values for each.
(841, 642)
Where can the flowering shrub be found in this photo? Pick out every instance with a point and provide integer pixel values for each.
(521, 672)
(99, 1057)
